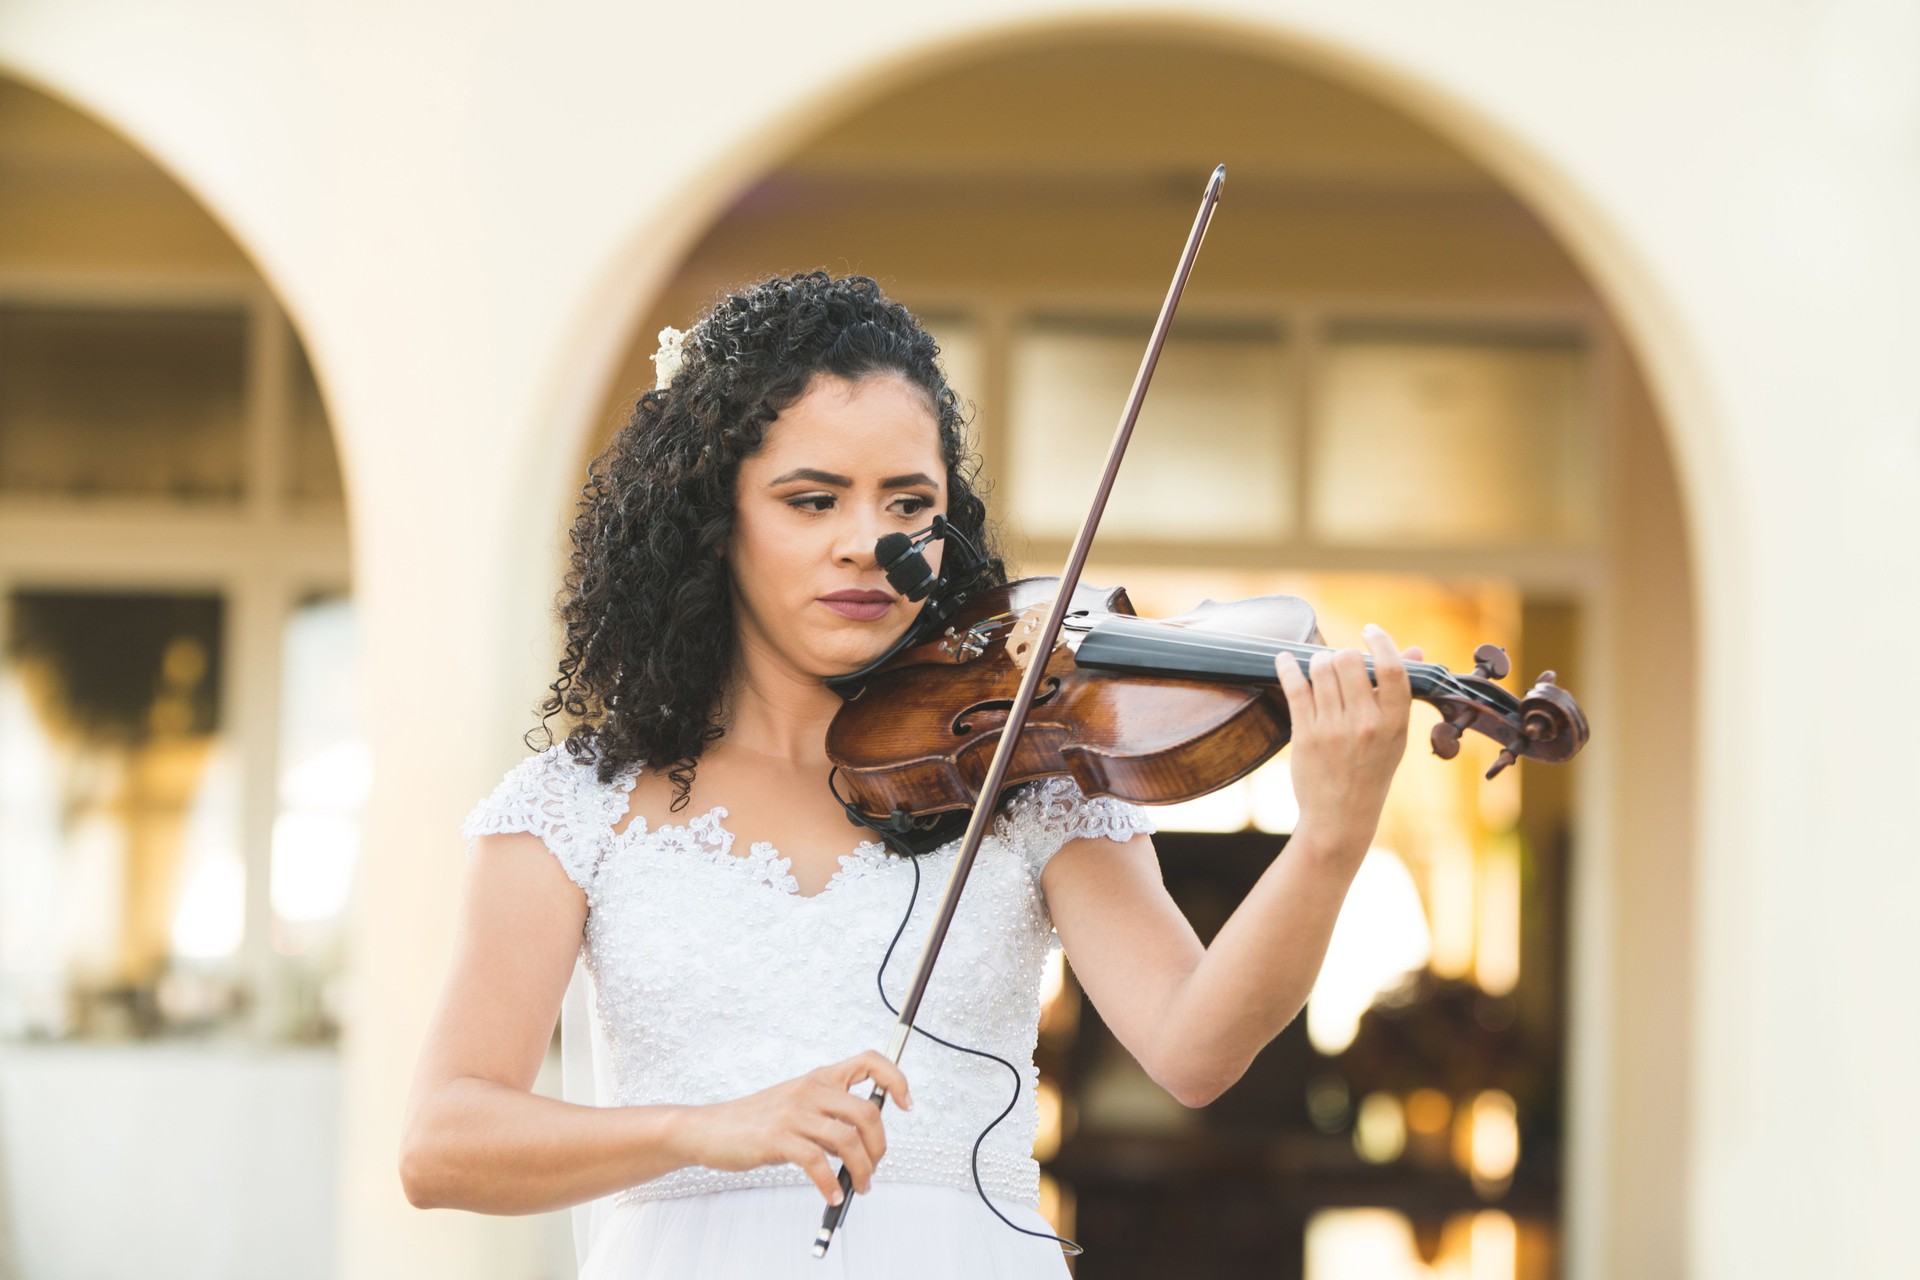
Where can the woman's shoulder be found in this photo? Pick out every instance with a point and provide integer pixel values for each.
(1040, 817)
(557, 796)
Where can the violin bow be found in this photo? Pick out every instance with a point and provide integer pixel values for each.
(989, 794)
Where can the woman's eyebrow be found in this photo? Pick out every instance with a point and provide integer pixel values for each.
(909, 481)
(837, 481)
(815, 475)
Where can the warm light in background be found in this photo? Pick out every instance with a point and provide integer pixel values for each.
(1270, 787)
(1053, 976)
(1046, 1140)
(1428, 1111)
(1261, 801)
(317, 835)
(1059, 1006)
(1228, 809)
(1450, 902)
(1345, 1244)
(1492, 1128)
(1496, 961)
(1378, 942)
(1379, 1244)
(131, 838)
(31, 969)
(211, 915)
(94, 911)
(1056, 1205)
(1493, 1247)
(1380, 1128)
(326, 771)
(313, 857)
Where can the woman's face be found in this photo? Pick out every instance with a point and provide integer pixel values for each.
(841, 467)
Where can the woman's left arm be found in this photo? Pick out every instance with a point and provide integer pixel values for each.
(1194, 1016)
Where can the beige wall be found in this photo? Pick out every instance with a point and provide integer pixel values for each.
(1643, 874)
(79, 199)
(463, 206)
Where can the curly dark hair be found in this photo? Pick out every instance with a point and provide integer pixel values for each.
(647, 606)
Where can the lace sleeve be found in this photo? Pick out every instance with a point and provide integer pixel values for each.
(541, 794)
(1040, 818)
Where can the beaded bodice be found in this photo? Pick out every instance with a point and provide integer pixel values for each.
(715, 977)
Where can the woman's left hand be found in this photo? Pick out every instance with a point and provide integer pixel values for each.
(1349, 734)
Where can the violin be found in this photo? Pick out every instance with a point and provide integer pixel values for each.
(1148, 710)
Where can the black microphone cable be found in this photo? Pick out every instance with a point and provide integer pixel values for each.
(1067, 1246)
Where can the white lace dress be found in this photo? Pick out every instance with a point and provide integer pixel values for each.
(710, 976)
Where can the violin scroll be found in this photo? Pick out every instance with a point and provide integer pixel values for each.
(1552, 721)
(1546, 725)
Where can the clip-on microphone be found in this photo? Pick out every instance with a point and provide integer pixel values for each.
(906, 565)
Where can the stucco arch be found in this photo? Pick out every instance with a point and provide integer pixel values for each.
(125, 120)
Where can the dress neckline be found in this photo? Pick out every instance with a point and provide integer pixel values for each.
(705, 835)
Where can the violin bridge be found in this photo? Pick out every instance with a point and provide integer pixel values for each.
(1024, 638)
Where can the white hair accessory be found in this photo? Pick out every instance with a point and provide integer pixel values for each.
(668, 359)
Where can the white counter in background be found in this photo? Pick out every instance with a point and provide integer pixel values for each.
(180, 1160)
(162, 1160)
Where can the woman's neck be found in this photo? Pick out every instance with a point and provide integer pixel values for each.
(774, 710)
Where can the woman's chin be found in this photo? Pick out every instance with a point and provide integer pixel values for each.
(837, 655)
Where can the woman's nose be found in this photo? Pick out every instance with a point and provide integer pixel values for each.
(857, 535)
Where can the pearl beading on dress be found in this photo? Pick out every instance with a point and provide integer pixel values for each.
(717, 978)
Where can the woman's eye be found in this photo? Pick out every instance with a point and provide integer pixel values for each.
(912, 506)
(812, 502)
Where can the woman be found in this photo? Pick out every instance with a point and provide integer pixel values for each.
(684, 843)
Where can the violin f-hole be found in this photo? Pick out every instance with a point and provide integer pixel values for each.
(962, 723)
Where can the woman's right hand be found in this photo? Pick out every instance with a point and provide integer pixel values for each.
(802, 1121)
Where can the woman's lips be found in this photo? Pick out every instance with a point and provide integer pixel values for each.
(859, 606)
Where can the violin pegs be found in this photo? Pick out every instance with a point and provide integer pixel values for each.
(1548, 677)
(1538, 726)
(1446, 740)
(1501, 761)
(1490, 662)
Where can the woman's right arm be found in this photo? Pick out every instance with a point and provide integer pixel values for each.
(476, 1137)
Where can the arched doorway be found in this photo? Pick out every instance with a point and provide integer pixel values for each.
(177, 659)
(1453, 427)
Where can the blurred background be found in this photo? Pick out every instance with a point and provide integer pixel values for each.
(244, 700)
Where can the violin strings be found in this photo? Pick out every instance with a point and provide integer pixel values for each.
(1257, 646)
(1440, 677)
(1261, 646)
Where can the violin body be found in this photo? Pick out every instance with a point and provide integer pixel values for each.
(1154, 711)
